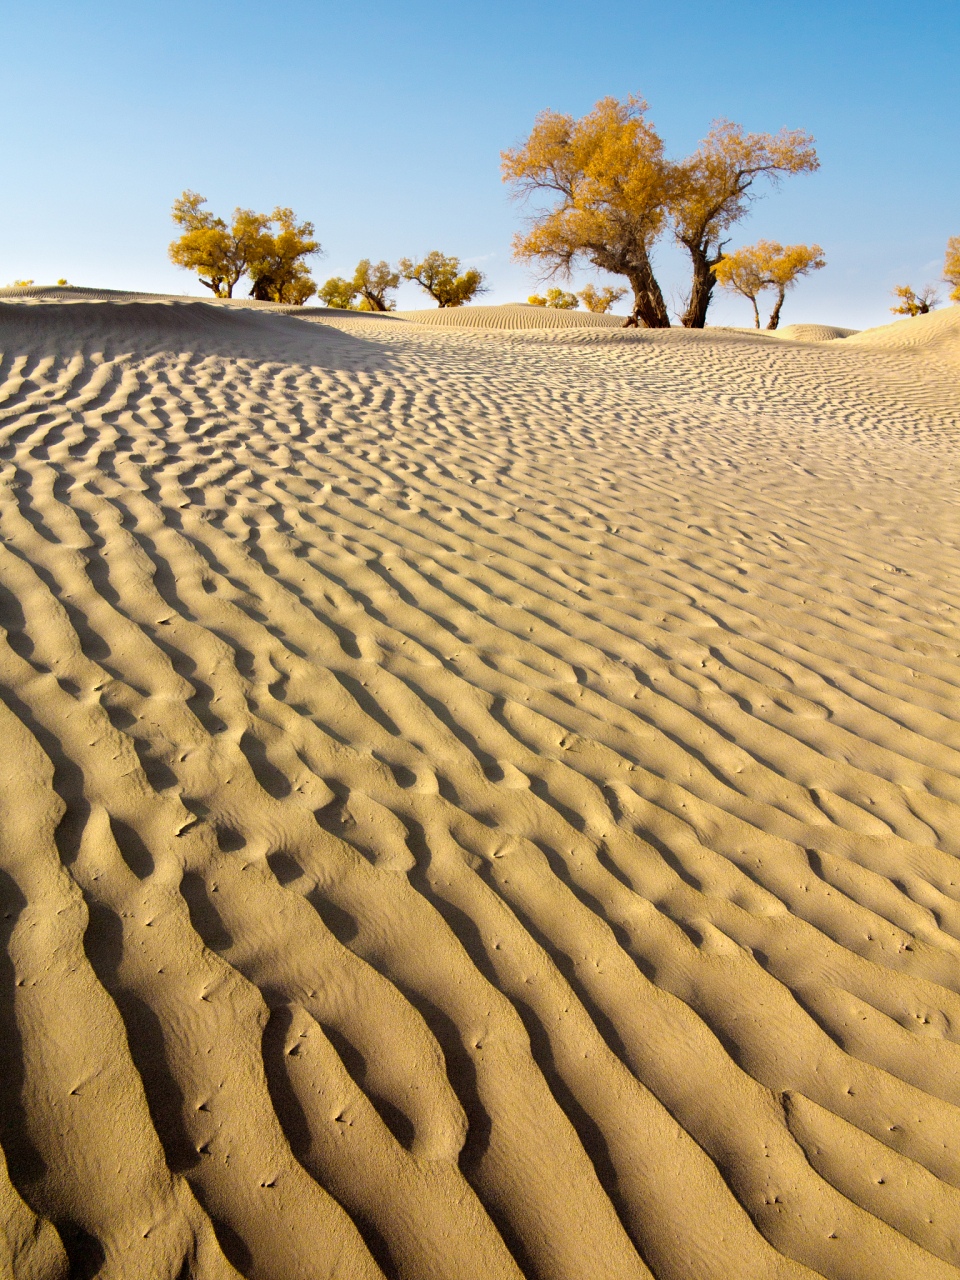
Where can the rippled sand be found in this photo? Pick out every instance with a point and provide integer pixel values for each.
(476, 802)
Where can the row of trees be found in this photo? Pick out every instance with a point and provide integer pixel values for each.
(438, 274)
(614, 193)
(271, 251)
(910, 303)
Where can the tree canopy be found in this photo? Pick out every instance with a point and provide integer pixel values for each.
(615, 193)
(221, 254)
(910, 303)
(338, 292)
(600, 301)
(440, 276)
(767, 265)
(277, 268)
(373, 283)
(610, 186)
(555, 298)
(951, 267)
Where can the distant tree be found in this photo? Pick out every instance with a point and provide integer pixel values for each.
(557, 299)
(61, 282)
(610, 186)
(21, 284)
(220, 254)
(438, 275)
(277, 269)
(714, 191)
(741, 273)
(600, 301)
(951, 267)
(338, 292)
(914, 304)
(373, 283)
(767, 265)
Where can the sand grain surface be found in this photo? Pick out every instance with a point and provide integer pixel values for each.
(476, 803)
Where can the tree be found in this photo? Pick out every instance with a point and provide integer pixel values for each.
(951, 267)
(715, 190)
(373, 283)
(914, 304)
(557, 299)
(614, 192)
(767, 265)
(741, 273)
(611, 188)
(219, 254)
(600, 301)
(338, 292)
(277, 269)
(438, 276)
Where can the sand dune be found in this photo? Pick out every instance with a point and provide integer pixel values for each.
(476, 804)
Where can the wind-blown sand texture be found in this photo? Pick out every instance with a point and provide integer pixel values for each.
(476, 804)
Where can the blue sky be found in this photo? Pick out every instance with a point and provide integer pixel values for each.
(383, 123)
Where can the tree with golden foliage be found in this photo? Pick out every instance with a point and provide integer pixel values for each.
(555, 298)
(439, 276)
(614, 193)
(277, 266)
(339, 293)
(914, 304)
(599, 301)
(767, 265)
(951, 267)
(715, 191)
(220, 254)
(373, 283)
(611, 189)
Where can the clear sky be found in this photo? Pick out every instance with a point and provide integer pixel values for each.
(383, 121)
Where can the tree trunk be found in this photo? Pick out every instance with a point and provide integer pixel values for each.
(701, 286)
(649, 308)
(756, 313)
(775, 313)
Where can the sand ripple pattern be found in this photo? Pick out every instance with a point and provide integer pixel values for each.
(475, 804)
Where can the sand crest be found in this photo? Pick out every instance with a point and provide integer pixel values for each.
(475, 803)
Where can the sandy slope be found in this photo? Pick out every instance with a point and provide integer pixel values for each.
(476, 804)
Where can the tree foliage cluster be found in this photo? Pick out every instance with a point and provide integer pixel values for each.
(615, 192)
(270, 249)
(597, 300)
(437, 274)
(912, 303)
(767, 265)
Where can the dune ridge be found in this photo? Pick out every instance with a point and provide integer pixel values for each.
(475, 803)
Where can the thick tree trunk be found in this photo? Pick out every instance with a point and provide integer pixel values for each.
(775, 313)
(649, 308)
(701, 287)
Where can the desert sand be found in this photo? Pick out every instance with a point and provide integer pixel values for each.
(477, 800)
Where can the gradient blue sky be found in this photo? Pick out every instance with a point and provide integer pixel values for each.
(383, 123)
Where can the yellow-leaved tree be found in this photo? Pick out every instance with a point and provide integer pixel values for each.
(373, 283)
(910, 303)
(339, 293)
(440, 276)
(222, 254)
(716, 190)
(555, 298)
(614, 193)
(610, 186)
(951, 267)
(767, 265)
(277, 267)
(218, 253)
(599, 301)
